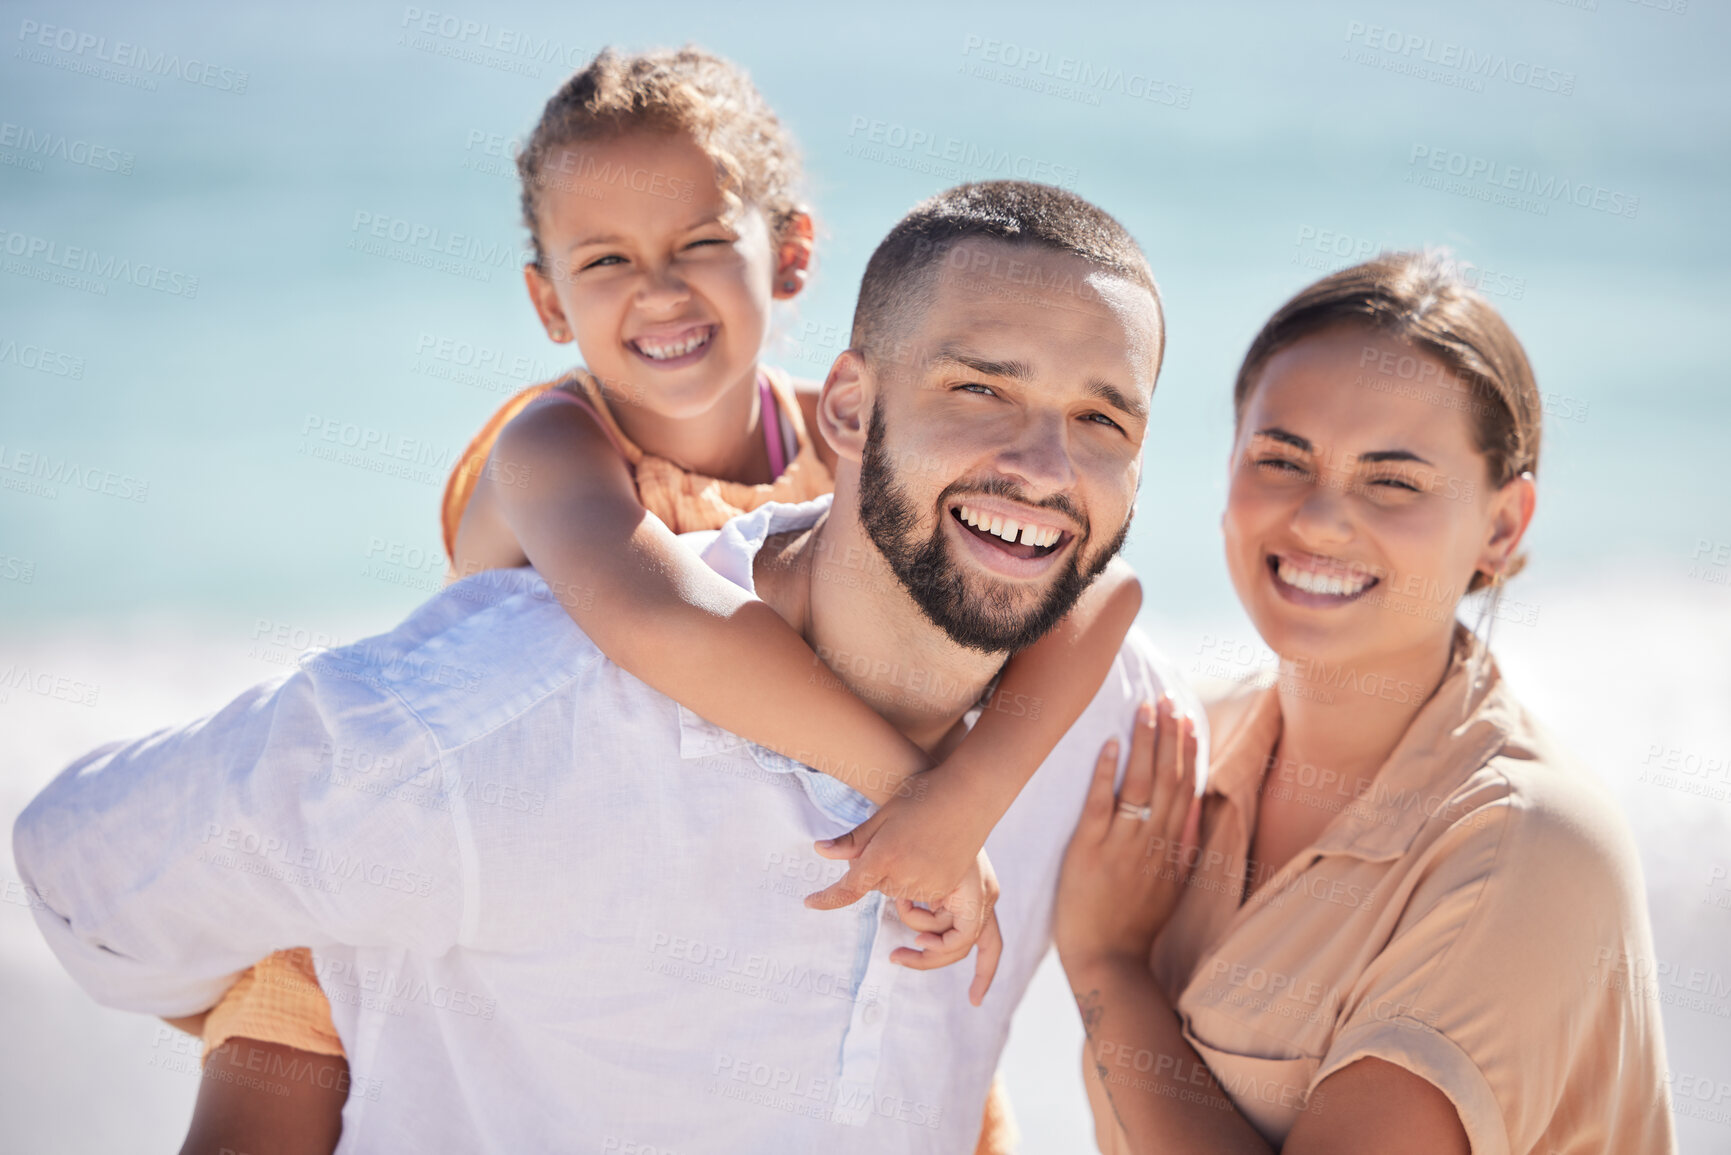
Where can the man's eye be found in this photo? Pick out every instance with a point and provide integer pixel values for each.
(983, 390)
(1102, 419)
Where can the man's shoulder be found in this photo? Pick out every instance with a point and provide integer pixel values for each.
(1146, 671)
(467, 660)
(1141, 673)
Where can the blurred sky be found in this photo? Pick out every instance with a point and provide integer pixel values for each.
(1249, 146)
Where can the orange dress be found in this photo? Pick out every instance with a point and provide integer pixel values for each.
(279, 999)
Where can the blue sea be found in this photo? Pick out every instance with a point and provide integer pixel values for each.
(192, 298)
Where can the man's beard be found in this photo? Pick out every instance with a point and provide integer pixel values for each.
(991, 621)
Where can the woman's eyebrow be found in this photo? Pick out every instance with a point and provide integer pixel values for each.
(1275, 433)
(1286, 437)
(1393, 455)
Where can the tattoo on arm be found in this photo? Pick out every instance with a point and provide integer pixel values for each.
(1093, 1009)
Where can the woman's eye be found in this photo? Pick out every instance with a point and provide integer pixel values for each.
(1396, 483)
(1279, 465)
(600, 262)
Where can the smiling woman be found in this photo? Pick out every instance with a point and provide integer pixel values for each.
(1402, 918)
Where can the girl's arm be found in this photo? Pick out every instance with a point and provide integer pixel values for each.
(663, 615)
(660, 613)
(932, 833)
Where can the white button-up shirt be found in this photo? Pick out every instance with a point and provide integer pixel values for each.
(552, 908)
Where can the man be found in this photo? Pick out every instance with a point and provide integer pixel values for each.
(605, 942)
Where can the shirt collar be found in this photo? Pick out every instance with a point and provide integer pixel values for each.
(1470, 718)
(732, 552)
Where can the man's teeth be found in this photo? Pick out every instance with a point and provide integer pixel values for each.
(1010, 530)
(663, 352)
(1320, 583)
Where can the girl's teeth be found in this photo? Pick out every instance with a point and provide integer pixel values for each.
(1316, 583)
(677, 349)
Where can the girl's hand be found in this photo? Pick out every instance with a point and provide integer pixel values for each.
(919, 846)
(956, 921)
(965, 917)
(1124, 873)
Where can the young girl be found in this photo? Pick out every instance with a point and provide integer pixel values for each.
(1410, 921)
(659, 194)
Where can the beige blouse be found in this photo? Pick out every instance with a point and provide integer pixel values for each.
(1477, 916)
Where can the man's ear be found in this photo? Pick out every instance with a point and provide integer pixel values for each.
(547, 305)
(844, 406)
(793, 256)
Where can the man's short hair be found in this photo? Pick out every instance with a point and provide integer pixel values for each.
(900, 276)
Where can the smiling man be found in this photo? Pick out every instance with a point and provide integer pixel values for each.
(628, 962)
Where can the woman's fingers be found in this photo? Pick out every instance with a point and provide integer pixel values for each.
(1167, 744)
(1184, 787)
(1097, 810)
(1138, 787)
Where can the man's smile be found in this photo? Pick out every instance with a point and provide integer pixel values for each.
(1010, 539)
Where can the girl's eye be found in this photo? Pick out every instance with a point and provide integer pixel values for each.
(600, 262)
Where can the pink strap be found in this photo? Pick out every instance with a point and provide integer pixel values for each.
(771, 427)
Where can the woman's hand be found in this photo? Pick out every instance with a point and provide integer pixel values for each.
(1126, 865)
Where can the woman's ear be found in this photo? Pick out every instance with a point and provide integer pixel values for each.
(1511, 512)
(547, 306)
(844, 406)
(793, 256)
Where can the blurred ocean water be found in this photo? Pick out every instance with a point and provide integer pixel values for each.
(259, 282)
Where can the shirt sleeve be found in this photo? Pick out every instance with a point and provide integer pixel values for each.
(169, 864)
(1487, 989)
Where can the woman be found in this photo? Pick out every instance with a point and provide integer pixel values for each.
(1407, 922)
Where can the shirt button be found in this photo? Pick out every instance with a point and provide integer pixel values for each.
(873, 1014)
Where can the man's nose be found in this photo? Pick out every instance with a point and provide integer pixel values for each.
(1040, 455)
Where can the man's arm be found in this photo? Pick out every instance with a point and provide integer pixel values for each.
(169, 864)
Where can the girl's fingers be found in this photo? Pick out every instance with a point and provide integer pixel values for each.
(991, 948)
(921, 919)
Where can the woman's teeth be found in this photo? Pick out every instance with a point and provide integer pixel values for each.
(1009, 529)
(1312, 582)
(667, 350)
